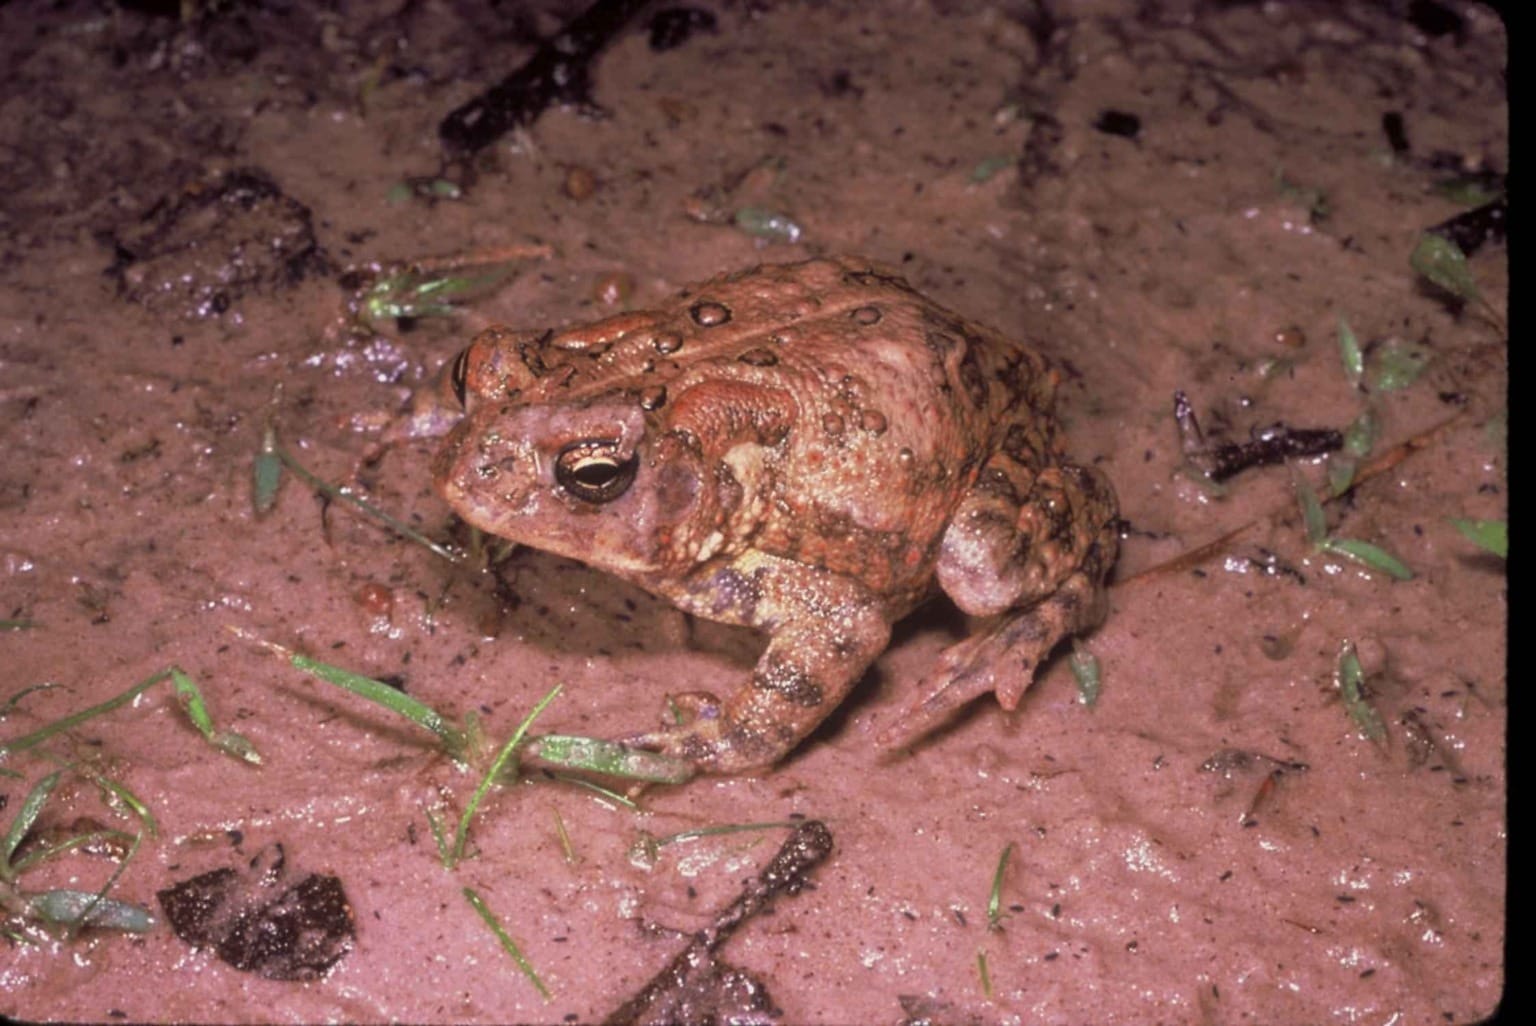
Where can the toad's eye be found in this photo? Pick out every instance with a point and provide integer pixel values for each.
(458, 374)
(594, 470)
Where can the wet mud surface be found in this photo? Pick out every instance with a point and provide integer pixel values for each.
(1182, 198)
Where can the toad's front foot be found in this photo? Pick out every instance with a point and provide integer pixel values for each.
(703, 731)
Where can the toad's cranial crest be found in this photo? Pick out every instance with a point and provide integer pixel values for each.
(808, 449)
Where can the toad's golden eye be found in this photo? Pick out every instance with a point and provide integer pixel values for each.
(594, 470)
(457, 376)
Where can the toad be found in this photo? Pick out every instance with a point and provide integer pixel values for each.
(811, 450)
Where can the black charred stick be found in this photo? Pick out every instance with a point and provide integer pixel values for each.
(789, 871)
(558, 72)
(1274, 444)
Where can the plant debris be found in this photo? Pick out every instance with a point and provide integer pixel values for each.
(698, 987)
(671, 27)
(558, 72)
(1274, 444)
(259, 922)
(1231, 763)
(199, 250)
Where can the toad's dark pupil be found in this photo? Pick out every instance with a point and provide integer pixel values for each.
(596, 472)
(590, 471)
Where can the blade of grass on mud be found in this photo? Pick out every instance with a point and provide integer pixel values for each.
(1373, 556)
(1443, 263)
(1085, 671)
(1491, 535)
(79, 909)
(1360, 437)
(988, 167)
(26, 816)
(647, 847)
(567, 849)
(413, 293)
(226, 741)
(606, 793)
(116, 791)
(1350, 353)
(37, 798)
(435, 825)
(507, 943)
(45, 852)
(63, 724)
(454, 741)
(773, 225)
(1350, 678)
(266, 473)
(1312, 515)
(726, 828)
(611, 759)
(995, 898)
(344, 494)
(1395, 364)
(1341, 474)
(9, 705)
(493, 774)
(87, 913)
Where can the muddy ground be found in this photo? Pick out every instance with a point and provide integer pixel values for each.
(1162, 197)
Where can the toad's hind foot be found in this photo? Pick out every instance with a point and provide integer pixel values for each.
(1001, 659)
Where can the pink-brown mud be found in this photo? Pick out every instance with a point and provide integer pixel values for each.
(1212, 842)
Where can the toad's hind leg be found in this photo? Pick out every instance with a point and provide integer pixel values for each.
(1034, 566)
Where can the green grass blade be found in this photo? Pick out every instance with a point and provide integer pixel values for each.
(1373, 556)
(507, 943)
(1442, 262)
(984, 973)
(1311, 512)
(461, 835)
(135, 804)
(726, 828)
(391, 698)
(1085, 671)
(344, 494)
(1492, 535)
(995, 898)
(226, 741)
(1396, 364)
(1341, 474)
(9, 705)
(1350, 353)
(59, 726)
(1360, 436)
(78, 909)
(611, 758)
(68, 844)
(1350, 678)
(266, 473)
(25, 817)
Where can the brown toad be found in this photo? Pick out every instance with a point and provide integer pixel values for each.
(809, 449)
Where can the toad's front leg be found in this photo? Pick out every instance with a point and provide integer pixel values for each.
(825, 630)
